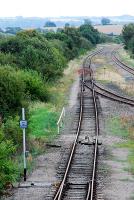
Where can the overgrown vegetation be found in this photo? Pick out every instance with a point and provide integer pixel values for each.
(31, 64)
(128, 35)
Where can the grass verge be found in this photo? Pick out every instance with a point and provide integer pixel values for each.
(124, 127)
(125, 57)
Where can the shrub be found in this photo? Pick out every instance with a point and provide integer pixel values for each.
(31, 50)
(34, 85)
(7, 59)
(12, 91)
(8, 169)
(13, 132)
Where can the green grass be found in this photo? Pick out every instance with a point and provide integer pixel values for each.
(114, 126)
(43, 121)
(125, 57)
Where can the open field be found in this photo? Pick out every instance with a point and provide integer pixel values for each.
(115, 29)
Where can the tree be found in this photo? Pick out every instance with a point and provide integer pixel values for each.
(50, 24)
(13, 30)
(128, 33)
(87, 21)
(90, 33)
(33, 51)
(105, 21)
(67, 25)
(11, 90)
(8, 169)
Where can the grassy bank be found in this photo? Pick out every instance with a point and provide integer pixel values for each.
(125, 57)
(123, 127)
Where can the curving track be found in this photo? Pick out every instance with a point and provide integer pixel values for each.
(121, 64)
(78, 181)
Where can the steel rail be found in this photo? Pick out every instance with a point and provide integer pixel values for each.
(90, 192)
(58, 195)
(121, 64)
(110, 97)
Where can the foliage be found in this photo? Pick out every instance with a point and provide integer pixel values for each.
(70, 42)
(17, 86)
(12, 131)
(12, 30)
(128, 32)
(128, 36)
(7, 165)
(7, 58)
(30, 63)
(32, 51)
(91, 34)
(12, 91)
(106, 38)
(50, 24)
(67, 25)
(87, 21)
(35, 87)
(105, 21)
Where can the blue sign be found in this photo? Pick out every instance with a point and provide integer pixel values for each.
(23, 124)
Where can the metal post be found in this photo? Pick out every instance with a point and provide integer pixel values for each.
(24, 145)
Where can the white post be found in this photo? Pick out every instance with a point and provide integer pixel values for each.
(58, 129)
(64, 111)
(24, 144)
(60, 121)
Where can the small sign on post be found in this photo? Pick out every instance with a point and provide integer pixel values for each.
(23, 125)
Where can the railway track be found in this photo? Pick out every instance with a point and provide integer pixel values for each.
(121, 64)
(78, 181)
(105, 92)
(109, 94)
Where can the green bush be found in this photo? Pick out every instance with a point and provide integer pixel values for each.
(18, 87)
(7, 59)
(32, 51)
(35, 87)
(8, 169)
(12, 90)
(13, 132)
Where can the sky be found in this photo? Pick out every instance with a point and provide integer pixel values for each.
(55, 8)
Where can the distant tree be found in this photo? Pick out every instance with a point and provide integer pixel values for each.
(87, 21)
(90, 33)
(128, 33)
(13, 30)
(67, 25)
(50, 24)
(105, 21)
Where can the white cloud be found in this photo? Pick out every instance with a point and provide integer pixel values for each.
(43, 8)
